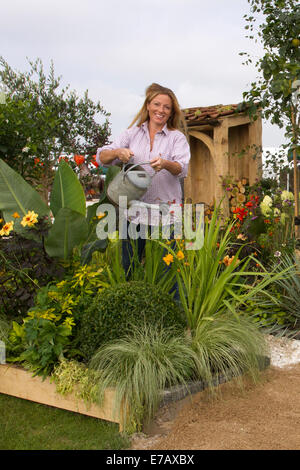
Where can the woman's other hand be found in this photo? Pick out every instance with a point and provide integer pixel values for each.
(157, 163)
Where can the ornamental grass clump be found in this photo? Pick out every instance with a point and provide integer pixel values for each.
(139, 366)
(227, 346)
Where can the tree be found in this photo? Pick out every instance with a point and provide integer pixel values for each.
(40, 120)
(275, 94)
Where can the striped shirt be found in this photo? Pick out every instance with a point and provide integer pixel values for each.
(169, 145)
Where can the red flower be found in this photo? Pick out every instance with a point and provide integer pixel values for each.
(79, 159)
(93, 161)
(249, 204)
(240, 213)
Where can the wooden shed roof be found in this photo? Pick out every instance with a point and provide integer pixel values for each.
(208, 114)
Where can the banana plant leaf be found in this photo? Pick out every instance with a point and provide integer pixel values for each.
(67, 191)
(16, 195)
(69, 230)
(89, 248)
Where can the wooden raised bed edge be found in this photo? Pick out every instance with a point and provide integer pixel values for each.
(19, 383)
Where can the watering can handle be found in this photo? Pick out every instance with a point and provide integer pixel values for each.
(133, 166)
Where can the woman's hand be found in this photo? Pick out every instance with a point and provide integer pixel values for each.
(157, 163)
(125, 155)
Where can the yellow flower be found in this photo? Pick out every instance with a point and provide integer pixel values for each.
(101, 215)
(1, 220)
(180, 255)
(168, 259)
(16, 215)
(29, 219)
(7, 228)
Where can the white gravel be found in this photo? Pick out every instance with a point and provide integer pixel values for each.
(284, 352)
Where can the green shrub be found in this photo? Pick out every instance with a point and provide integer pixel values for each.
(115, 309)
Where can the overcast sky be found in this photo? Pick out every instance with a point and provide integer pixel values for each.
(116, 48)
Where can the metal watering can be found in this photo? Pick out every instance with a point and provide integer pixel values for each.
(132, 181)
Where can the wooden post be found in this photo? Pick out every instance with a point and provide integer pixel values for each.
(222, 162)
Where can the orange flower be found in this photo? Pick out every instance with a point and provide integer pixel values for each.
(79, 159)
(16, 215)
(180, 255)
(227, 261)
(168, 259)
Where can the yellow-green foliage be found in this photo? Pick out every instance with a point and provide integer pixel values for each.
(72, 376)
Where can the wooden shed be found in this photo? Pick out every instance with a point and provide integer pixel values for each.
(224, 142)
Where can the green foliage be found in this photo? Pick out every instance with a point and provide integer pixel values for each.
(289, 291)
(115, 309)
(210, 283)
(71, 376)
(263, 221)
(16, 195)
(67, 191)
(68, 231)
(73, 226)
(42, 119)
(42, 342)
(4, 328)
(140, 365)
(272, 94)
(48, 330)
(228, 346)
(25, 268)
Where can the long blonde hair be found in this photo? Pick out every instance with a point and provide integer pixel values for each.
(175, 121)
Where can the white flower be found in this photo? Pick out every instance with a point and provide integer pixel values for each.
(277, 254)
(287, 196)
(267, 200)
(266, 205)
(25, 149)
(276, 212)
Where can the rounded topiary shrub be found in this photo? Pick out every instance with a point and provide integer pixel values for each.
(115, 309)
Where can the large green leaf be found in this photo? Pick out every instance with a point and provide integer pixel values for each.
(16, 195)
(67, 191)
(88, 249)
(69, 230)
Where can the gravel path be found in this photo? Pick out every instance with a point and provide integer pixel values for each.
(263, 416)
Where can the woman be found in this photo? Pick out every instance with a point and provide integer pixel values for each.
(155, 135)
